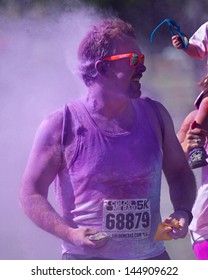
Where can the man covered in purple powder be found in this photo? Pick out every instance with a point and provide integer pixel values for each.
(107, 151)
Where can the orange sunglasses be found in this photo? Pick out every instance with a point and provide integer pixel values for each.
(134, 58)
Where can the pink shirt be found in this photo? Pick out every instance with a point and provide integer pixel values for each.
(200, 41)
(113, 182)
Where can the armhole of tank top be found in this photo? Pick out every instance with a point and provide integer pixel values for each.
(64, 126)
(158, 114)
(64, 133)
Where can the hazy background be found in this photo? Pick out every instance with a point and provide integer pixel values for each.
(38, 43)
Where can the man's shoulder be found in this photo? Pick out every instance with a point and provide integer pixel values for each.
(155, 103)
(54, 119)
(59, 120)
(59, 123)
(50, 129)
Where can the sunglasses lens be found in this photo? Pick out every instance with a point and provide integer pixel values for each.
(134, 59)
(137, 59)
(184, 39)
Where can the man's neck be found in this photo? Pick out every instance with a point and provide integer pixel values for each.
(107, 104)
(111, 113)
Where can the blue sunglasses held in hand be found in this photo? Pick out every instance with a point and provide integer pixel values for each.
(174, 30)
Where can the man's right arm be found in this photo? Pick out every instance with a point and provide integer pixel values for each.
(41, 169)
(43, 165)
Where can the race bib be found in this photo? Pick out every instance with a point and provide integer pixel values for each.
(127, 218)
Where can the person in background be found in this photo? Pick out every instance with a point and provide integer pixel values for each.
(106, 152)
(197, 48)
(198, 43)
(192, 136)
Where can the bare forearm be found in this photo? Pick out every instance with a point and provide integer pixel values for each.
(40, 211)
(183, 191)
(192, 51)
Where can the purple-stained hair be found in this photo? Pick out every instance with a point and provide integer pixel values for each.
(97, 44)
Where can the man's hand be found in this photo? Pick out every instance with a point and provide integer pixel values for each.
(80, 238)
(183, 221)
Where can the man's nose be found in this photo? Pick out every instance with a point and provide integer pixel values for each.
(141, 67)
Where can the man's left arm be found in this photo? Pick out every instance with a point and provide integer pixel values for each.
(180, 178)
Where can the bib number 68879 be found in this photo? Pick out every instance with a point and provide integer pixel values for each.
(127, 221)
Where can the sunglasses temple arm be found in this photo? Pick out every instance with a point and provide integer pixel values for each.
(171, 26)
(171, 30)
(156, 28)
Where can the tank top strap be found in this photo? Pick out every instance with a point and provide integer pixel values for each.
(64, 127)
(71, 113)
(157, 113)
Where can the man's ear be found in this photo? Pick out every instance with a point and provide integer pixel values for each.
(101, 67)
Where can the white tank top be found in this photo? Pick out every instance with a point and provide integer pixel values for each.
(113, 184)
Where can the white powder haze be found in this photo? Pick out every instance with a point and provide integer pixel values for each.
(38, 58)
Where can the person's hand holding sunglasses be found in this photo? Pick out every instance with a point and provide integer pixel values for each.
(180, 39)
(177, 42)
